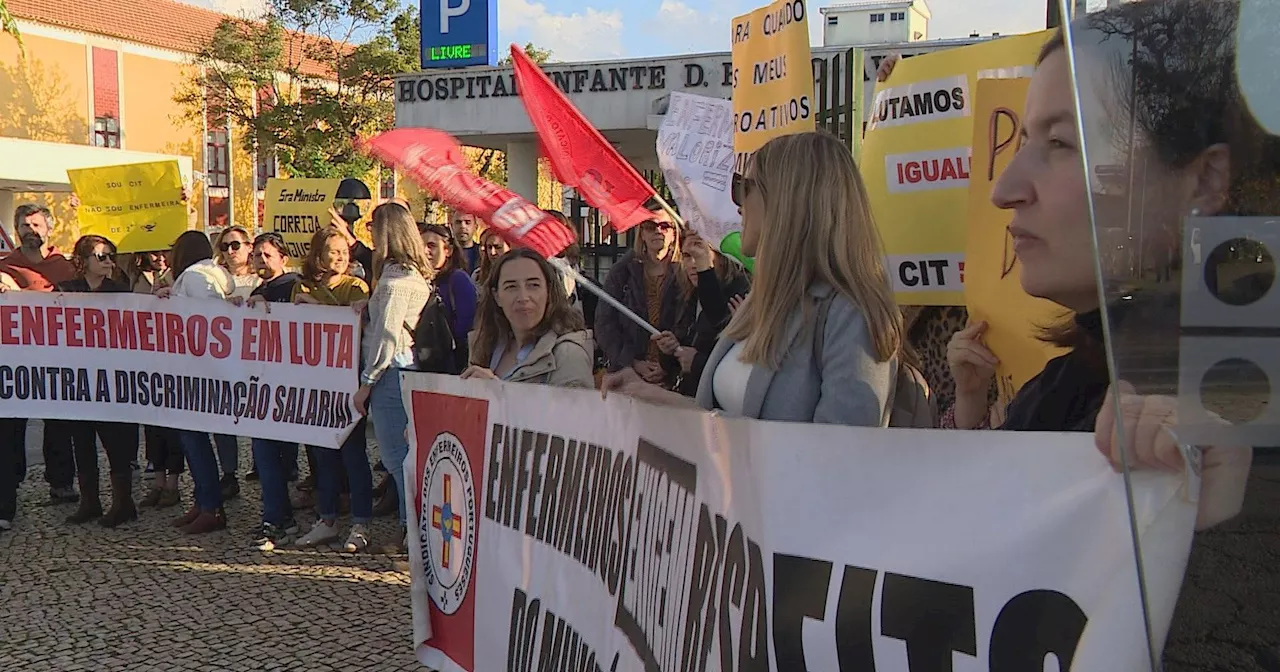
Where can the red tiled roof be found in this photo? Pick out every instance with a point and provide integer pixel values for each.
(159, 23)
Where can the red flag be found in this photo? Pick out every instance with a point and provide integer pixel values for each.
(579, 155)
(435, 161)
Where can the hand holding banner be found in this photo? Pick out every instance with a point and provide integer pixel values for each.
(434, 160)
(580, 157)
(138, 207)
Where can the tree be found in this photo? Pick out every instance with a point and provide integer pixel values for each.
(539, 56)
(9, 24)
(301, 83)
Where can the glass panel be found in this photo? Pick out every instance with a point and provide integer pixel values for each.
(1178, 104)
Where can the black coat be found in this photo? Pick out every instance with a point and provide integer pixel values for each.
(82, 285)
(701, 322)
(622, 340)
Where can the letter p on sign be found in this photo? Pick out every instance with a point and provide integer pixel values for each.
(448, 11)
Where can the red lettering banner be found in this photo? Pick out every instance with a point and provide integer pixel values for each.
(194, 364)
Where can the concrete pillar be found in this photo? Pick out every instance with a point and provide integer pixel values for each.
(522, 169)
(6, 215)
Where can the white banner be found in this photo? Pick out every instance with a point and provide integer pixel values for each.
(202, 365)
(553, 530)
(695, 151)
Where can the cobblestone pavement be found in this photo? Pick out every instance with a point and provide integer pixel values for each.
(146, 597)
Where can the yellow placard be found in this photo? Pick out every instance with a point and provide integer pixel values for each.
(772, 76)
(916, 161)
(296, 209)
(137, 206)
(993, 289)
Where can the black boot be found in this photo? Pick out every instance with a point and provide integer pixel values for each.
(90, 505)
(122, 506)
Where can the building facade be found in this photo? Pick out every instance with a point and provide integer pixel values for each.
(96, 87)
(867, 22)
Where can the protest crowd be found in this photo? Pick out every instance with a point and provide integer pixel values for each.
(813, 333)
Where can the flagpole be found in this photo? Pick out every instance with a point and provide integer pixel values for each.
(666, 207)
(604, 296)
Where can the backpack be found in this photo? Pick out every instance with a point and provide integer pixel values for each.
(910, 403)
(461, 349)
(434, 348)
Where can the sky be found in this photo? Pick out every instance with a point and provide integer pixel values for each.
(584, 30)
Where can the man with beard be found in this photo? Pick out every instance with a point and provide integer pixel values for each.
(464, 230)
(34, 266)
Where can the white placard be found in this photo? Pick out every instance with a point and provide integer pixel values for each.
(695, 151)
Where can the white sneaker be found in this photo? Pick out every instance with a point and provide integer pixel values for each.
(321, 533)
(357, 539)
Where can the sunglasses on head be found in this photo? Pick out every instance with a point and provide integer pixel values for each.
(234, 246)
(741, 187)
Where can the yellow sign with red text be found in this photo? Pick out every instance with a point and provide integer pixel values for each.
(993, 288)
(916, 161)
(772, 76)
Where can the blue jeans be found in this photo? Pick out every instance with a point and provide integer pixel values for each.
(204, 468)
(228, 453)
(386, 410)
(330, 463)
(273, 460)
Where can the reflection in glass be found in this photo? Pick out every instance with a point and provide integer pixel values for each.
(1184, 181)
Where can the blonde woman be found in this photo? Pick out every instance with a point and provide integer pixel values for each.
(402, 278)
(819, 261)
(231, 249)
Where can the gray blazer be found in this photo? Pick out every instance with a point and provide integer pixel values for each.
(849, 387)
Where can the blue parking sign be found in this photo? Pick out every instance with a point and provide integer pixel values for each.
(456, 33)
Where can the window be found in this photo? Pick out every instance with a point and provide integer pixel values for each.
(387, 183)
(877, 18)
(217, 158)
(833, 20)
(266, 168)
(106, 132)
(898, 16)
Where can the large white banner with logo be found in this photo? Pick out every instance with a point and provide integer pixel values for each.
(198, 364)
(554, 530)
